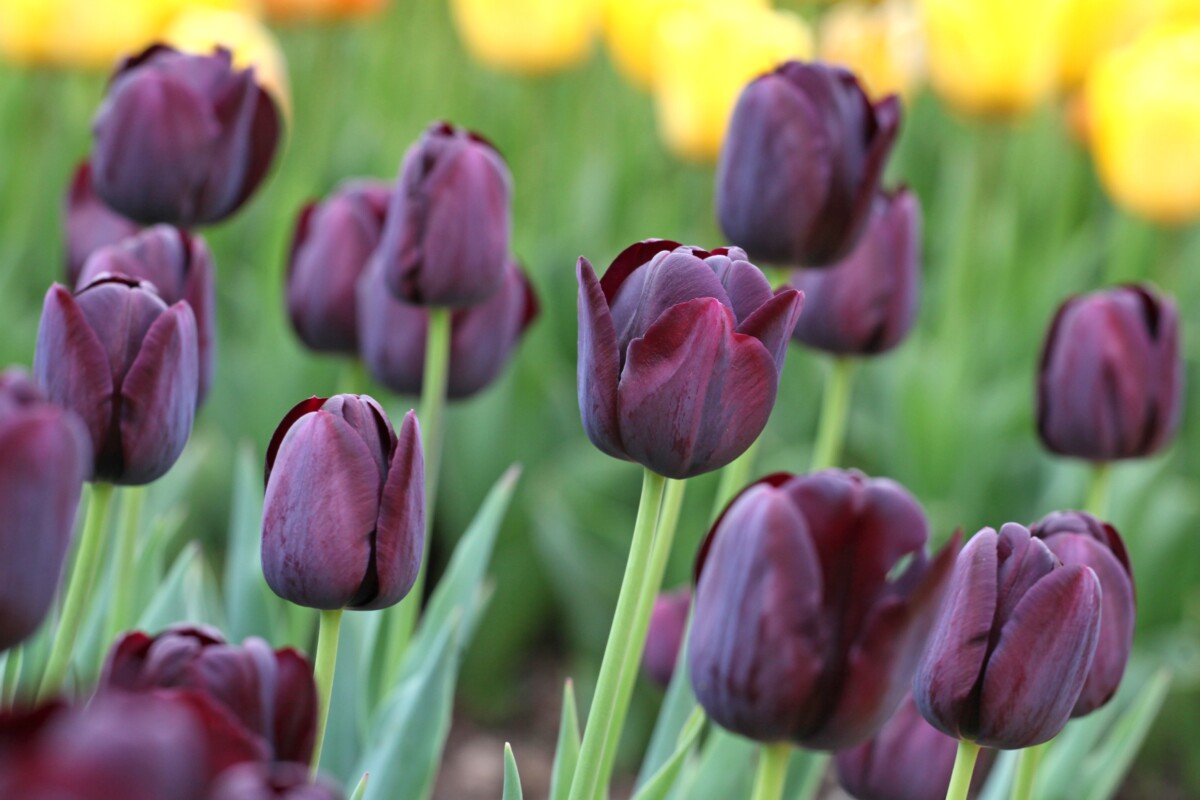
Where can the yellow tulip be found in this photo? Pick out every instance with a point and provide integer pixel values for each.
(882, 44)
(308, 10)
(1144, 109)
(704, 58)
(528, 36)
(1091, 28)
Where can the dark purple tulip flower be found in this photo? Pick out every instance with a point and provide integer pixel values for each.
(801, 164)
(446, 239)
(800, 631)
(270, 782)
(47, 456)
(89, 224)
(1079, 538)
(128, 365)
(344, 515)
(180, 267)
(182, 138)
(867, 303)
(679, 355)
(668, 623)
(908, 759)
(1111, 378)
(483, 337)
(1013, 645)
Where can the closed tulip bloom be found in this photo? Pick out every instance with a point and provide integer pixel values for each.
(668, 623)
(527, 36)
(128, 365)
(1110, 384)
(881, 43)
(1013, 644)
(802, 163)
(180, 267)
(270, 782)
(88, 223)
(482, 337)
(679, 355)
(799, 632)
(867, 303)
(445, 242)
(47, 457)
(344, 514)
(181, 138)
(1079, 538)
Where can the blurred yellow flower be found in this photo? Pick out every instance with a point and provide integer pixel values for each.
(307, 10)
(1144, 112)
(1090, 28)
(704, 58)
(882, 44)
(527, 36)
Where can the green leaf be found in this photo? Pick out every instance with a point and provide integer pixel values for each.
(725, 769)
(512, 778)
(1112, 760)
(186, 595)
(247, 596)
(660, 784)
(566, 753)
(361, 788)
(678, 706)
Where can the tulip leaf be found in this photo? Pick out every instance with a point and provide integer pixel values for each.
(247, 607)
(512, 778)
(678, 705)
(361, 788)
(725, 769)
(175, 599)
(659, 786)
(1113, 759)
(566, 753)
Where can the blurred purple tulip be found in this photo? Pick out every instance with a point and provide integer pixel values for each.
(333, 242)
(668, 623)
(1013, 644)
(1111, 379)
(679, 355)
(270, 782)
(182, 138)
(180, 267)
(1079, 538)
(801, 164)
(799, 630)
(128, 365)
(446, 239)
(483, 337)
(88, 223)
(344, 515)
(47, 456)
(867, 303)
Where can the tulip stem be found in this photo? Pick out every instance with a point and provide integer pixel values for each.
(132, 500)
(1097, 496)
(79, 589)
(835, 409)
(589, 773)
(735, 476)
(1027, 765)
(964, 767)
(323, 671)
(772, 771)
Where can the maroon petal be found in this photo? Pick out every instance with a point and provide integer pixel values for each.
(391, 333)
(295, 724)
(773, 322)
(668, 280)
(485, 336)
(745, 284)
(629, 259)
(1023, 561)
(400, 532)
(228, 741)
(599, 364)
(89, 224)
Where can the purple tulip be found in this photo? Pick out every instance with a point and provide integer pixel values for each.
(270, 782)
(89, 224)
(483, 337)
(115, 354)
(344, 515)
(47, 457)
(668, 623)
(801, 164)
(333, 242)
(679, 355)
(1013, 645)
(1079, 538)
(182, 138)
(1111, 378)
(445, 242)
(180, 267)
(867, 303)
(799, 632)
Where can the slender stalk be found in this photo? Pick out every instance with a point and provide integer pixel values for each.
(79, 589)
(964, 767)
(1027, 766)
(1097, 496)
(323, 671)
(817, 762)
(589, 773)
(772, 771)
(735, 476)
(835, 409)
(12, 675)
(119, 612)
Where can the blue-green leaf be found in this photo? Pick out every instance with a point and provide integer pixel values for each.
(659, 786)
(512, 778)
(566, 754)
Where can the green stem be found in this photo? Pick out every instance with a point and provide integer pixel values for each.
(589, 777)
(79, 590)
(12, 675)
(835, 408)
(119, 613)
(735, 476)
(1097, 496)
(323, 671)
(772, 771)
(1027, 765)
(964, 766)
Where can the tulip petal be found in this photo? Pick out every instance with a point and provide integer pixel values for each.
(90, 224)
(484, 336)
(1023, 561)
(400, 532)
(240, 678)
(245, 150)
(599, 366)
(629, 260)
(295, 722)
(773, 322)
(391, 333)
(747, 287)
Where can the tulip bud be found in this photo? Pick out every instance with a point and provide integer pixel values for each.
(1013, 644)
(47, 456)
(527, 36)
(89, 224)
(799, 630)
(668, 623)
(333, 241)
(180, 267)
(802, 163)
(679, 355)
(181, 138)
(482, 337)
(1111, 379)
(116, 355)
(445, 241)
(270, 782)
(344, 514)
(867, 303)
(1079, 538)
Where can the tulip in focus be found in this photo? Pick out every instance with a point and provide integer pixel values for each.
(679, 355)
(880, 43)
(88, 223)
(315, 10)
(527, 36)
(344, 514)
(800, 630)
(1013, 645)
(668, 623)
